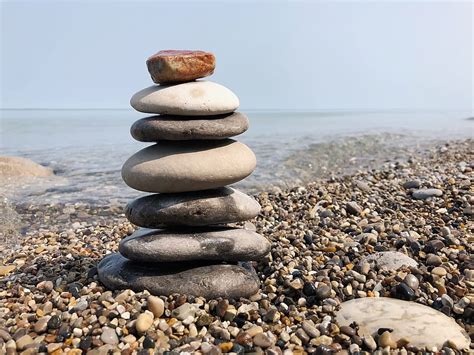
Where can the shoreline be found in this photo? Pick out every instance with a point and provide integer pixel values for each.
(314, 239)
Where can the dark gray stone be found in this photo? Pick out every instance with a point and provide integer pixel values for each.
(177, 128)
(353, 208)
(199, 279)
(412, 184)
(200, 208)
(226, 244)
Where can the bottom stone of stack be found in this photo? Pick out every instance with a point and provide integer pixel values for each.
(189, 278)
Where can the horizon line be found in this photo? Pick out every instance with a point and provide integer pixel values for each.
(245, 109)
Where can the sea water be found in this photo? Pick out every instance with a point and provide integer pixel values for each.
(86, 148)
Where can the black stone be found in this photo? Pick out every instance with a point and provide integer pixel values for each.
(297, 274)
(307, 239)
(54, 322)
(323, 292)
(75, 289)
(437, 304)
(85, 343)
(324, 350)
(433, 246)
(240, 319)
(280, 343)
(92, 272)
(309, 289)
(311, 301)
(148, 343)
(415, 247)
(404, 292)
(112, 315)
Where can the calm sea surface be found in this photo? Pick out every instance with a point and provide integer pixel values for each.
(87, 148)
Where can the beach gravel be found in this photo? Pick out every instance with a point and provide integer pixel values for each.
(51, 299)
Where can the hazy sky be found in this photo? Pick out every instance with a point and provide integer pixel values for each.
(273, 55)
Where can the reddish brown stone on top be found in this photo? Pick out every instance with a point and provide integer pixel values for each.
(175, 66)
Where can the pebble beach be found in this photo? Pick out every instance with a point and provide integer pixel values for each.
(401, 232)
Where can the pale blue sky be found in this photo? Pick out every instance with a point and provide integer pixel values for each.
(273, 55)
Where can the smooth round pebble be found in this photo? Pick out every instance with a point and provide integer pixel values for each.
(198, 98)
(156, 306)
(144, 322)
(197, 208)
(188, 166)
(205, 243)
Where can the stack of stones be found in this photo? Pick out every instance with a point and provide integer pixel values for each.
(186, 244)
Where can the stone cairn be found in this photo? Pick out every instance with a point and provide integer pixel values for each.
(186, 244)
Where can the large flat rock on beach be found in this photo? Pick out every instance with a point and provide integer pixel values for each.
(172, 66)
(197, 98)
(188, 166)
(420, 325)
(392, 260)
(200, 279)
(166, 127)
(208, 243)
(198, 208)
(11, 166)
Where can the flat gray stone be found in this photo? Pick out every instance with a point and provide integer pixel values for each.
(165, 127)
(197, 98)
(423, 194)
(198, 208)
(180, 166)
(392, 260)
(164, 245)
(421, 325)
(198, 279)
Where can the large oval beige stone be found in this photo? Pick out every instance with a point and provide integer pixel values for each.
(421, 325)
(11, 166)
(188, 166)
(197, 98)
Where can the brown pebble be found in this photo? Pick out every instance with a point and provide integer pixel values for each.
(221, 307)
(244, 338)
